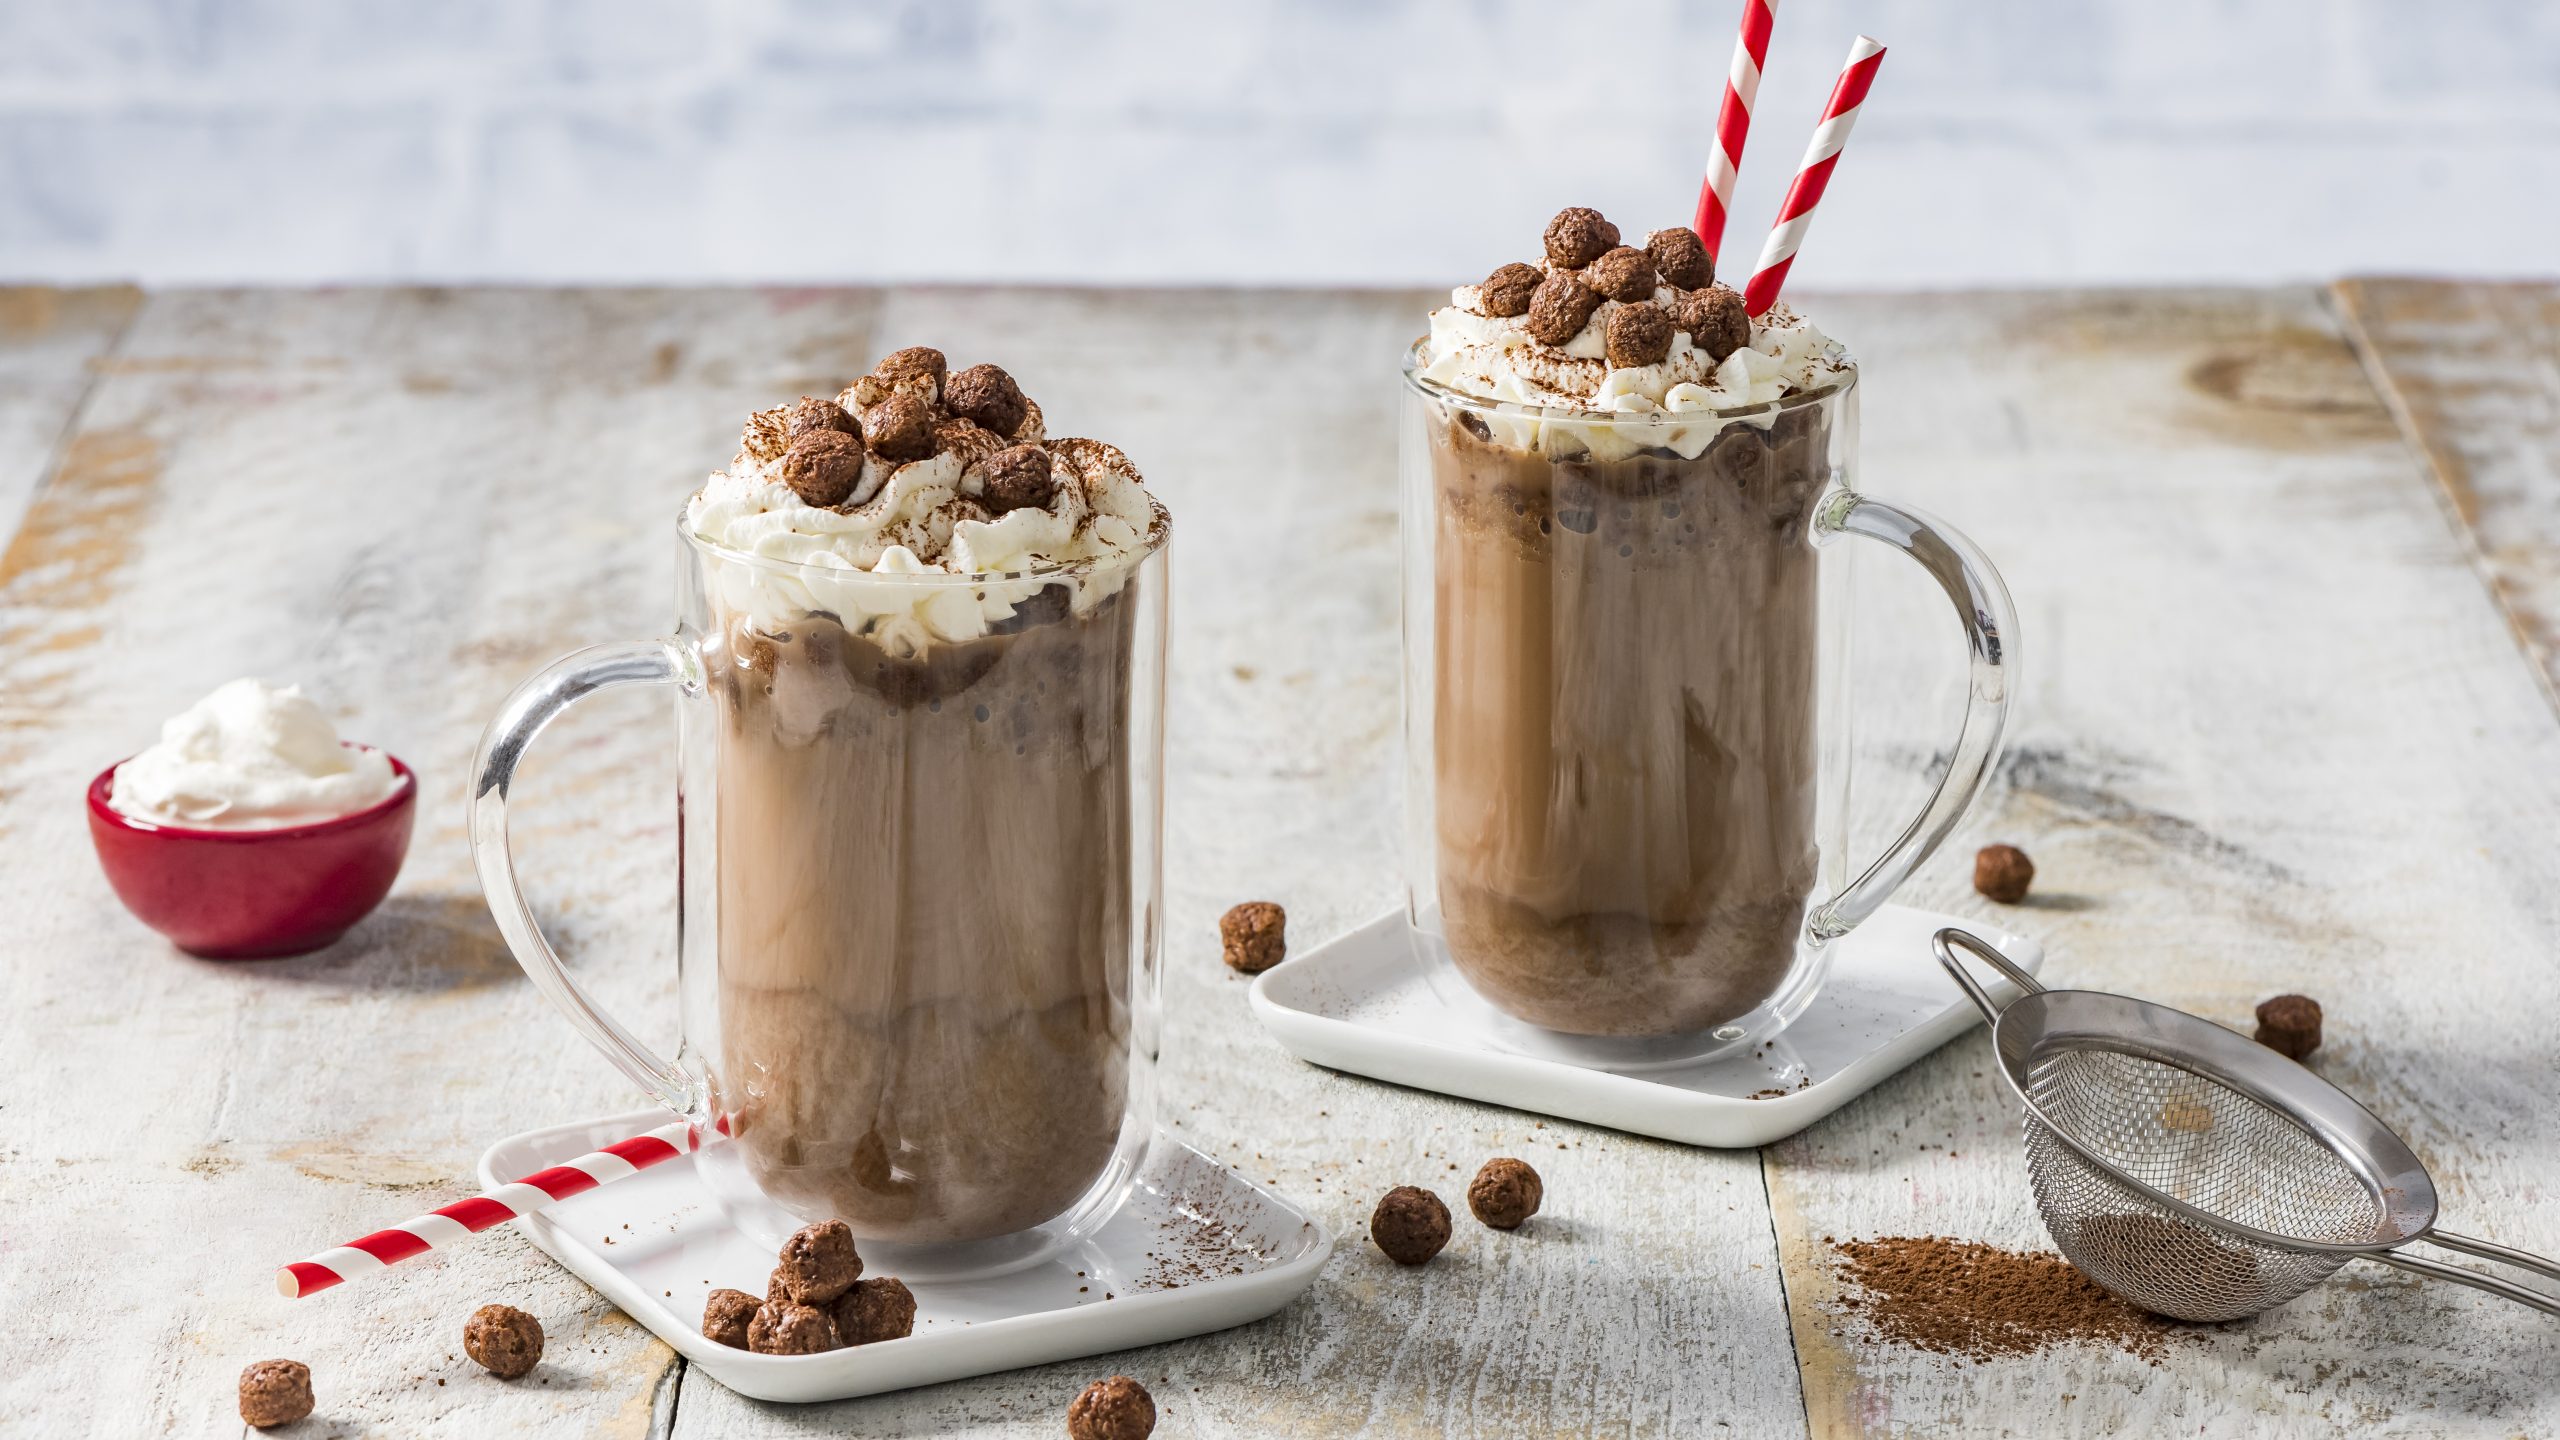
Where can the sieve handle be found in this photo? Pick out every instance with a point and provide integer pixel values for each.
(1945, 943)
(2504, 1289)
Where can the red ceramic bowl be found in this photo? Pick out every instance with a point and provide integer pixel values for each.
(254, 894)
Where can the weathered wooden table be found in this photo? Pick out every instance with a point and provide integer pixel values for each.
(2277, 734)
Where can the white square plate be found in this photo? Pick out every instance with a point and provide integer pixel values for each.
(1361, 1003)
(1196, 1248)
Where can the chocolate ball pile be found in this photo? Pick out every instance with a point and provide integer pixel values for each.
(909, 408)
(814, 1301)
(1661, 289)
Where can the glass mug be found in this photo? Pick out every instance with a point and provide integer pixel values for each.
(1626, 706)
(919, 890)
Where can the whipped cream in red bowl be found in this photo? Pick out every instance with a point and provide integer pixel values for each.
(251, 831)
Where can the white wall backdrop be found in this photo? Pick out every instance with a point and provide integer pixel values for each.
(1294, 141)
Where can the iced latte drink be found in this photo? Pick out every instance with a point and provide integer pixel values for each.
(933, 636)
(1611, 480)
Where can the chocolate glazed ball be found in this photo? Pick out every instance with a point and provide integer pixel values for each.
(726, 1315)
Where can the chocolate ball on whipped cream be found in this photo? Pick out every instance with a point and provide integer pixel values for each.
(987, 395)
(804, 415)
(1636, 332)
(1559, 309)
(1638, 335)
(822, 467)
(1507, 291)
(1577, 236)
(1681, 258)
(1625, 273)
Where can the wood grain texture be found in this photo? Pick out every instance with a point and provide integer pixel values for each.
(50, 343)
(2472, 371)
(2274, 737)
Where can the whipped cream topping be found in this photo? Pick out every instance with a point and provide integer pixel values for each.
(1494, 357)
(884, 558)
(250, 757)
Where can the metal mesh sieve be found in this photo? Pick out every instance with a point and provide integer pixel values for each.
(2196, 1173)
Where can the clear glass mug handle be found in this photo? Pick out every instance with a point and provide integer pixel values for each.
(535, 704)
(1990, 627)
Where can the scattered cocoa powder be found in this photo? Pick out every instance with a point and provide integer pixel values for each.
(1980, 1302)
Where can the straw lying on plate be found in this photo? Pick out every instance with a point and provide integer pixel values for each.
(449, 1224)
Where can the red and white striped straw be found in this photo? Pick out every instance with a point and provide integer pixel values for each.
(1813, 175)
(1733, 120)
(445, 1226)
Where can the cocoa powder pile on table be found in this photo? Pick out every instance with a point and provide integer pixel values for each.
(1980, 1302)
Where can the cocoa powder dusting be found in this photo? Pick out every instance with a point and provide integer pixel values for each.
(1980, 1302)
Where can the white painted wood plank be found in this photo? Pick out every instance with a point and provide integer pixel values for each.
(2472, 371)
(2273, 738)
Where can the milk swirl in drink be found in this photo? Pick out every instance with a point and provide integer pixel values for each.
(924, 833)
(1623, 633)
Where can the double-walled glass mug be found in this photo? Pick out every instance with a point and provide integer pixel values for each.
(1626, 707)
(919, 891)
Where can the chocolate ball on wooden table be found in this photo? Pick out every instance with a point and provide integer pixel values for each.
(1505, 1193)
(2289, 1025)
(2003, 873)
(1253, 936)
(275, 1392)
(506, 1341)
(1410, 1225)
(1115, 1409)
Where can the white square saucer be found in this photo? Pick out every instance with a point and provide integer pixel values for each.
(1196, 1248)
(1362, 1003)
